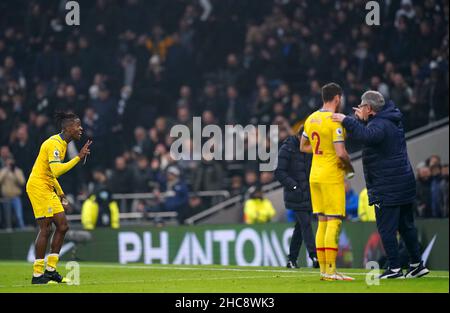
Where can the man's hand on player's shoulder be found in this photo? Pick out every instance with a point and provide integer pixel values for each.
(338, 117)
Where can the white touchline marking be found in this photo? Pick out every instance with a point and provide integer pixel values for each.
(157, 280)
(149, 267)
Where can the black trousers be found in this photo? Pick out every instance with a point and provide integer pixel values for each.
(302, 232)
(393, 219)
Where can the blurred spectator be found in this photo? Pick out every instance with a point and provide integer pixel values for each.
(142, 144)
(444, 190)
(266, 178)
(436, 191)
(257, 209)
(41, 129)
(423, 182)
(177, 198)
(232, 73)
(235, 111)
(405, 10)
(366, 212)
(209, 175)
(184, 116)
(142, 175)
(159, 43)
(23, 149)
(433, 160)
(106, 109)
(236, 186)
(77, 80)
(209, 100)
(262, 108)
(185, 96)
(40, 101)
(351, 202)
(158, 178)
(5, 126)
(251, 178)
(12, 181)
(377, 84)
(5, 154)
(122, 180)
(99, 209)
(196, 206)
(298, 111)
(89, 123)
(314, 100)
(401, 94)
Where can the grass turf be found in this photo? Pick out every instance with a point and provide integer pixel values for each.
(100, 277)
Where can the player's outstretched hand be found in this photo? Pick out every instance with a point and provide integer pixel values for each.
(85, 150)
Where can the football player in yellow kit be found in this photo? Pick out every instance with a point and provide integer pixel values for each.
(47, 197)
(325, 140)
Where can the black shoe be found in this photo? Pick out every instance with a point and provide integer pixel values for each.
(40, 280)
(54, 276)
(292, 264)
(417, 271)
(315, 263)
(392, 274)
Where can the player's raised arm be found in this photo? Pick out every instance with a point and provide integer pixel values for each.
(58, 168)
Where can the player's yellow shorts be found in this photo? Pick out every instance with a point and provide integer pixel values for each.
(328, 199)
(45, 202)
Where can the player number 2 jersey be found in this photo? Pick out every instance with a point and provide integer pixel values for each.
(322, 133)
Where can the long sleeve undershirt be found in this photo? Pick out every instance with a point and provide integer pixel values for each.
(59, 168)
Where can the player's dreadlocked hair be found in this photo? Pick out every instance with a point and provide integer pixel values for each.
(62, 118)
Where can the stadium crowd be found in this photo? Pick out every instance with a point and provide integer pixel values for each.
(135, 68)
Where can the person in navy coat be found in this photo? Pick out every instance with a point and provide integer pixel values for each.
(389, 178)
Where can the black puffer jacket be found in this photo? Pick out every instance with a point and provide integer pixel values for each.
(293, 173)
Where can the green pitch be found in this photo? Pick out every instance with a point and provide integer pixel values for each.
(99, 277)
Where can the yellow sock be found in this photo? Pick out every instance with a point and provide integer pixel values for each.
(320, 245)
(38, 267)
(332, 244)
(52, 261)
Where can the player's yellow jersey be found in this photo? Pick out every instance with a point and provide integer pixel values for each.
(53, 150)
(322, 133)
(43, 188)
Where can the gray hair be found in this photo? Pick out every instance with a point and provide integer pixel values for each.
(374, 99)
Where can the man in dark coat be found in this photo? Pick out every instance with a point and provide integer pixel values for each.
(389, 178)
(293, 173)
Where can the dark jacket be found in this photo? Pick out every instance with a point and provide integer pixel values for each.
(293, 171)
(179, 201)
(423, 198)
(387, 170)
(121, 181)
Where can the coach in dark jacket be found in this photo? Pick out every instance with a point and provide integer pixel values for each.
(293, 173)
(389, 177)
